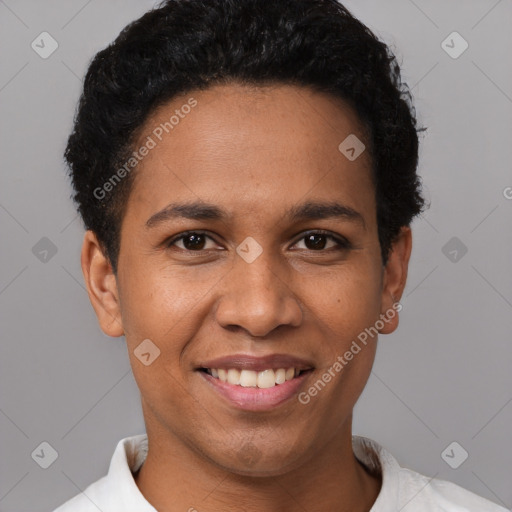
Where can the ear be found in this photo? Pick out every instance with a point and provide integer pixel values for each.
(394, 279)
(101, 286)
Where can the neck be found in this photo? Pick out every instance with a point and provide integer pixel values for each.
(174, 477)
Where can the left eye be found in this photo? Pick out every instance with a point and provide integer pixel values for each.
(317, 241)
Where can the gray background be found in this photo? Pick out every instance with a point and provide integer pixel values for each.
(444, 376)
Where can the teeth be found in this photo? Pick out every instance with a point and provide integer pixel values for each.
(233, 376)
(250, 379)
(266, 379)
(280, 376)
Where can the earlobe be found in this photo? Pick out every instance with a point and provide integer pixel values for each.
(395, 278)
(101, 286)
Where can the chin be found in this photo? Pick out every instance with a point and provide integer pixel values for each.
(257, 460)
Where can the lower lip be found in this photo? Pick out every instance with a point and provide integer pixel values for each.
(257, 399)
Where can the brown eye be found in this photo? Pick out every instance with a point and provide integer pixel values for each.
(315, 241)
(191, 241)
(194, 242)
(318, 240)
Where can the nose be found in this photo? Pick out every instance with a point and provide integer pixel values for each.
(257, 297)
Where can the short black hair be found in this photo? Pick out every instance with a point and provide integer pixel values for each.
(182, 45)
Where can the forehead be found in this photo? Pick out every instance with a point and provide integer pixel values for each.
(250, 148)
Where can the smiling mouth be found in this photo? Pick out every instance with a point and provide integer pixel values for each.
(252, 379)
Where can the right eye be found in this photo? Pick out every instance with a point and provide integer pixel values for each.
(193, 241)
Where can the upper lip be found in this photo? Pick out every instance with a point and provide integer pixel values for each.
(257, 363)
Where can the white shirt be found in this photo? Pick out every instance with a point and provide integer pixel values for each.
(402, 489)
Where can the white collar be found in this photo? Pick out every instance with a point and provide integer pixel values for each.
(402, 489)
(131, 452)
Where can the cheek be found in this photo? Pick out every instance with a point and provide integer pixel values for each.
(346, 302)
(156, 302)
(167, 307)
(344, 308)
(158, 309)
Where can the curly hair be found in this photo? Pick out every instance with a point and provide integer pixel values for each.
(184, 45)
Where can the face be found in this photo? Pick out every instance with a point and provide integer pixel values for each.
(250, 244)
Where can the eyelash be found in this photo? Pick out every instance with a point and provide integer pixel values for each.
(342, 243)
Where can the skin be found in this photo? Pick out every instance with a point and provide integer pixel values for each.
(254, 151)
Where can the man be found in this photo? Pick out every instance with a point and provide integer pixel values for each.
(246, 172)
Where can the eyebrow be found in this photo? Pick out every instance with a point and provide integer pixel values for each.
(311, 210)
